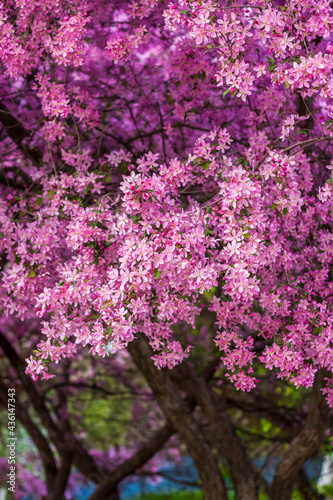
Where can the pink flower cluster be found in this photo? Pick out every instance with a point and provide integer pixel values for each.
(160, 166)
(121, 49)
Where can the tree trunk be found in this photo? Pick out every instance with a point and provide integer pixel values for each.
(242, 471)
(179, 415)
(306, 444)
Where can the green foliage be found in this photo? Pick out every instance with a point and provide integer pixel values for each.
(327, 490)
(157, 273)
(103, 417)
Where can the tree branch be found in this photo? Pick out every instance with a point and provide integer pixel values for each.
(17, 133)
(145, 453)
(64, 443)
(306, 444)
(147, 450)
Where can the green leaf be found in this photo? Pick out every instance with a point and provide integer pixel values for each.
(50, 194)
(39, 201)
(266, 425)
(285, 211)
(123, 167)
(271, 67)
(301, 132)
(205, 165)
(318, 329)
(234, 92)
(274, 206)
(106, 304)
(157, 273)
(226, 92)
(31, 274)
(203, 76)
(169, 99)
(328, 122)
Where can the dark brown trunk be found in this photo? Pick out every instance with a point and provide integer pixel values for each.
(179, 415)
(306, 444)
(242, 471)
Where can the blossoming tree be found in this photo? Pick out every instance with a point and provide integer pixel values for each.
(161, 163)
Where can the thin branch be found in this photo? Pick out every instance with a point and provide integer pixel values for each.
(308, 142)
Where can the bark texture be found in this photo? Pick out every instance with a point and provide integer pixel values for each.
(305, 445)
(179, 415)
(243, 474)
